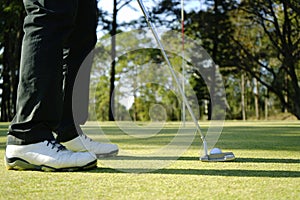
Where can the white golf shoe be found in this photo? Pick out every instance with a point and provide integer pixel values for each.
(84, 143)
(47, 156)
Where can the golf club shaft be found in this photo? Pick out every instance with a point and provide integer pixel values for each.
(173, 74)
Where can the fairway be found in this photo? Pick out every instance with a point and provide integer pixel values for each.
(267, 166)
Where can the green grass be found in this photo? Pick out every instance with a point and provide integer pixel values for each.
(267, 167)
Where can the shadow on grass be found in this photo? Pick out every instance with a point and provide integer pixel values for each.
(268, 160)
(208, 172)
(186, 158)
(3, 132)
(2, 145)
(253, 160)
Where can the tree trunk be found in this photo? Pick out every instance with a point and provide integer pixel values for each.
(243, 97)
(113, 64)
(256, 99)
(294, 89)
(212, 87)
(266, 106)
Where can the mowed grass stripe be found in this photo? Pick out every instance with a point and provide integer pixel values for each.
(267, 167)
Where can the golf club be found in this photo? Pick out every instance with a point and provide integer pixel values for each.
(219, 156)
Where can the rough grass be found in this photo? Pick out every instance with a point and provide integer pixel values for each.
(267, 167)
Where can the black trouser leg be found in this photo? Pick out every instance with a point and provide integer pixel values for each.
(78, 61)
(40, 94)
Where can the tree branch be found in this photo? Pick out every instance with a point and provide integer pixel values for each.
(276, 23)
(124, 4)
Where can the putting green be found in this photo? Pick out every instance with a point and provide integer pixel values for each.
(267, 166)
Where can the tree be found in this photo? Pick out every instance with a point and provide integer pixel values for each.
(11, 26)
(113, 31)
(214, 29)
(275, 63)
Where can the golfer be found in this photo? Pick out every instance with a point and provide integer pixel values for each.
(58, 37)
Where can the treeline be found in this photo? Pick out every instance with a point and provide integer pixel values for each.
(254, 46)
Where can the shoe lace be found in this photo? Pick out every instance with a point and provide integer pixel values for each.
(87, 138)
(56, 145)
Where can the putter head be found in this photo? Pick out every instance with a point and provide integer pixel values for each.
(218, 157)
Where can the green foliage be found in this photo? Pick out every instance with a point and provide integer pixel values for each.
(11, 19)
(268, 37)
(102, 99)
(259, 37)
(141, 75)
(256, 38)
(11, 22)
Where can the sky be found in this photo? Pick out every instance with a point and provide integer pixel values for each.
(133, 11)
(127, 13)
